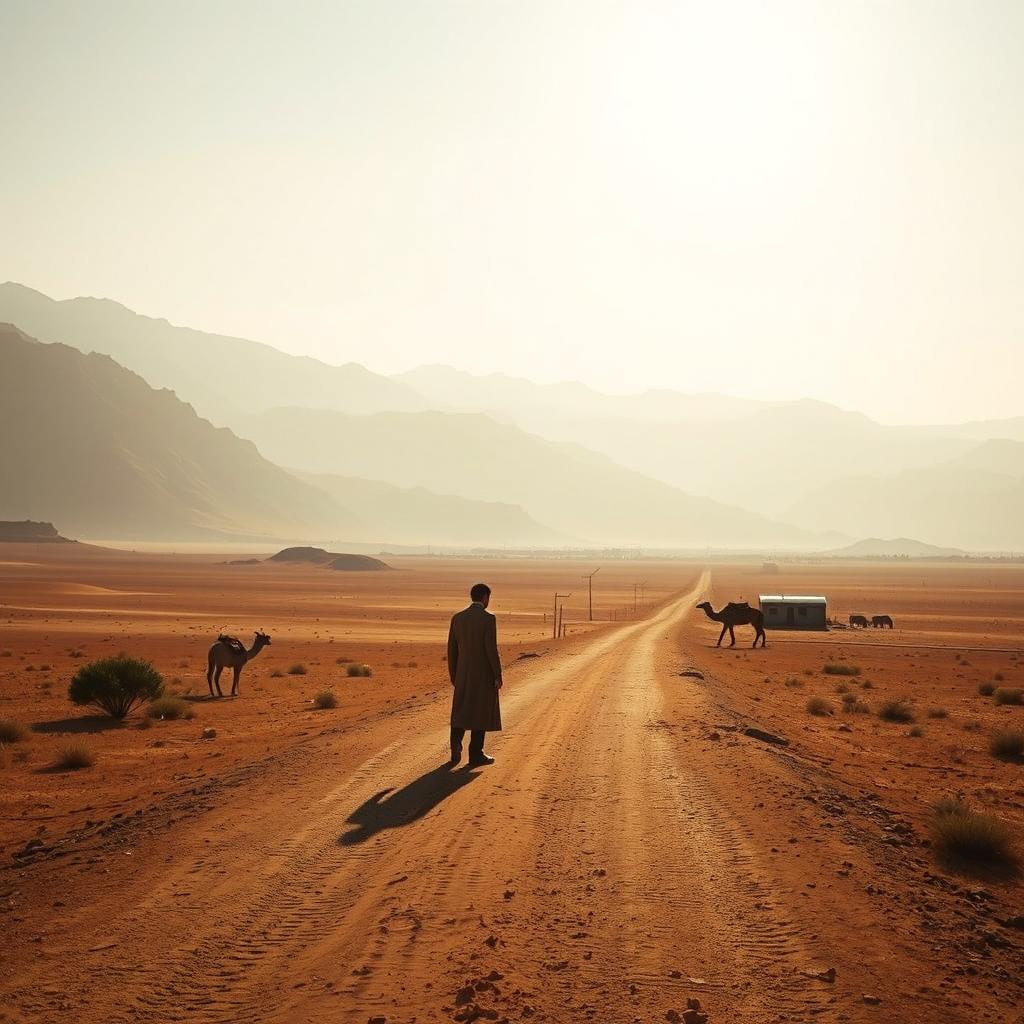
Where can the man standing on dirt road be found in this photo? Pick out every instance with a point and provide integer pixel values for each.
(475, 672)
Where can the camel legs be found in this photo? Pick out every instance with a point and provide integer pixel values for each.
(760, 635)
(732, 637)
(721, 636)
(216, 679)
(234, 685)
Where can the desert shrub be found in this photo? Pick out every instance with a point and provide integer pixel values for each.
(867, 685)
(960, 834)
(6, 654)
(997, 676)
(842, 689)
(412, 664)
(917, 731)
(860, 707)
(343, 661)
(11, 731)
(986, 689)
(116, 685)
(896, 711)
(835, 668)
(171, 708)
(324, 700)
(73, 756)
(818, 706)
(359, 670)
(849, 698)
(938, 713)
(972, 725)
(793, 682)
(76, 652)
(277, 674)
(1008, 695)
(1007, 744)
(298, 669)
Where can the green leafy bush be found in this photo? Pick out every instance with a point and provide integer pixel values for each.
(116, 685)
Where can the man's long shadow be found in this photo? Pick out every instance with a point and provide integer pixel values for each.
(393, 808)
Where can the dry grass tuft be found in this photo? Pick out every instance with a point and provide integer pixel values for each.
(938, 713)
(1008, 695)
(818, 706)
(12, 731)
(358, 670)
(298, 669)
(986, 689)
(835, 668)
(324, 700)
(73, 756)
(969, 837)
(1007, 744)
(896, 711)
(170, 708)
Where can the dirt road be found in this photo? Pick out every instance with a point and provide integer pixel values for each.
(594, 872)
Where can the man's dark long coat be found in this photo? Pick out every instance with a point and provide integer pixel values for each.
(474, 667)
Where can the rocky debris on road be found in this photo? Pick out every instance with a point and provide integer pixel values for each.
(765, 737)
(528, 654)
(871, 1000)
(828, 975)
(209, 733)
(693, 1014)
(692, 673)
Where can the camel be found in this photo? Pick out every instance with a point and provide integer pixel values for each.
(881, 621)
(734, 614)
(858, 620)
(227, 652)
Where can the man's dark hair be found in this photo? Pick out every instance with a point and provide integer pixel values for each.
(479, 591)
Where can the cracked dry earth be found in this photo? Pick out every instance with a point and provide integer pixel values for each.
(629, 851)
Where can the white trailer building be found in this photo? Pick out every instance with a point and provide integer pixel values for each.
(798, 612)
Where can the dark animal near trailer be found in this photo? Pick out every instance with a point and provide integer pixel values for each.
(881, 621)
(230, 652)
(859, 620)
(734, 614)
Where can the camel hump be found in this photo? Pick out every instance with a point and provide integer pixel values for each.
(738, 604)
(231, 641)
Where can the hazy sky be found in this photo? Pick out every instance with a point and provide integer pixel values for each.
(766, 199)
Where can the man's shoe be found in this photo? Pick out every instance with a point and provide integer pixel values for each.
(456, 755)
(478, 760)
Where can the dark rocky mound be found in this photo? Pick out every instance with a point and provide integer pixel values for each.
(357, 563)
(28, 532)
(315, 555)
(330, 559)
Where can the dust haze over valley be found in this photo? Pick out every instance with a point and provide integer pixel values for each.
(511, 512)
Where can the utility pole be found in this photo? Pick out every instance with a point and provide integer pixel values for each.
(555, 622)
(636, 586)
(590, 590)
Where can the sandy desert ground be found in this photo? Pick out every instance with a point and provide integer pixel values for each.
(632, 847)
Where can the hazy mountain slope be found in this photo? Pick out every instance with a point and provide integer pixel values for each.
(897, 547)
(221, 376)
(575, 491)
(504, 396)
(93, 448)
(975, 501)
(414, 515)
(760, 455)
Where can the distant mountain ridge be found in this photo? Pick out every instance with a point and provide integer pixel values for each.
(578, 492)
(219, 375)
(898, 547)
